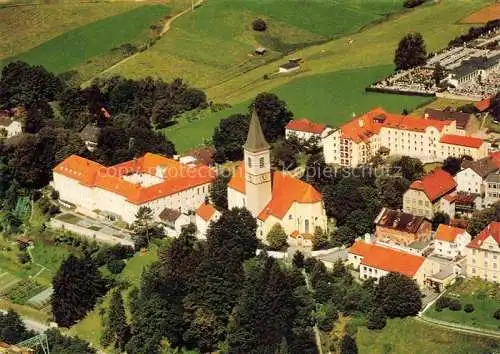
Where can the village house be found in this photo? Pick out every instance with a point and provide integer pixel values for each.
(173, 220)
(461, 204)
(425, 196)
(450, 241)
(401, 228)
(305, 130)
(10, 127)
(153, 181)
(473, 174)
(205, 214)
(430, 140)
(483, 254)
(292, 65)
(492, 189)
(273, 197)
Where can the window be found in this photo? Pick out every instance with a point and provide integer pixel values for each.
(249, 162)
(306, 225)
(261, 162)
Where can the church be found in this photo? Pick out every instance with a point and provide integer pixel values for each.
(273, 197)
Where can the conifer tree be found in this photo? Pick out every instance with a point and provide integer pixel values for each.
(116, 329)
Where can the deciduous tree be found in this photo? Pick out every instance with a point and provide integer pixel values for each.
(411, 52)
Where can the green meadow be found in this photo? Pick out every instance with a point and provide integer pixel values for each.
(331, 98)
(78, 46)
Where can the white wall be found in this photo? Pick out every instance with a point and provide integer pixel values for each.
(468, 181)
(452, 249)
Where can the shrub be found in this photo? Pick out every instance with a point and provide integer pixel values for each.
(497, 314)
(376, 319)
(412, 3)
(54, 194)
(443, 302)
(259, 25)
(23, 257)
(469, 308)
(455, 305)
(116, 266)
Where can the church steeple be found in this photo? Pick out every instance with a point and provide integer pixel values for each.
(255, 139)
(258, 189)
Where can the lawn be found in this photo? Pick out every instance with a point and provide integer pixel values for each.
(214, 44)
(25, 27)
(485, 297)
(331, 98)
(77, 46)
(441, 103)
(409, 336)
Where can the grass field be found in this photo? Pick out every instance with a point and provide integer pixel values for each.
(80, 45)
(37, 24)
(409, 336)
(485, 297)
(484, 15)
(214, 44)
(325, 102)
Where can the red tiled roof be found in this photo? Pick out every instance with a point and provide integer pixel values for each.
(495, 158)
(285, 191)
(493, 230)
(177, 177)
(435, 184)
(387, 259)
(483, 105)
(305, 125)
(363, 127)
(206, 211)
(305, 235)
(467, 141)
(448, 233)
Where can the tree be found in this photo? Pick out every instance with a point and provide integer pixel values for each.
(277, 238)
(115, 327)
(410, 52)
(343, 235)
(452, 165)
(481, 218)
(163, 113)
(320, 239)
(298, 260)
(218, 190)
(469, 308)
(12, 328)
(398, 295)
(495, 107)
(144, 228)
(391, 190)
(409, 168)
(496, 314)
(273, 114)
(327, 315)
(60, 344)
(259, 25)
(37, 116)
(438, 74)
(440, 218)
(348, 345)
(283, 155)
(376, 319)
(229, 137)
(77, 287)
(360, 221)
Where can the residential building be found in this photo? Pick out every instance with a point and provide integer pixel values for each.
(173, 220)
(492, 189)
(425, 196)
(461, 204)
(429, 140)
(150, 181)
(205, 214)
(483, 254)
(10, 127)
(450, 241)
(401, 228)
(292, 65)
(273, 197)
(471, 177)
(305, 130)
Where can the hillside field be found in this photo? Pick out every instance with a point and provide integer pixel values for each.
(215, 42)
(325, 102)
(25, 27)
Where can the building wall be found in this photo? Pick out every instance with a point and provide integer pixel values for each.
(469, 181)
(491, 193)
(403, 237)
(302, 135)
(15, 128)
(235, 199)
(331, 148)
(459, 151)
(416, 203)
(202, 225)
(452, 249)
(485, 261)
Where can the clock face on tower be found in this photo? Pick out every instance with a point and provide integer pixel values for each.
(258, 179)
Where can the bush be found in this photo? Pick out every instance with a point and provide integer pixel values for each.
(116, 266)
(54, 194)
(497, 314)
(455, 305)
(259, 25)
(469, 308)
(23, 257)
(376, 319)
(412, 3)
(442, 303)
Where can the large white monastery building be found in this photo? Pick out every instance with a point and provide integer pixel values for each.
(272, 196)
(153, 181)
(430, 140)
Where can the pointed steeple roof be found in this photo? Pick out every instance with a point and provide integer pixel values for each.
(255, 139)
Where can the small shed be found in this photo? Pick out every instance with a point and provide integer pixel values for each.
(24, 241)
(288, 67)
(260, 51)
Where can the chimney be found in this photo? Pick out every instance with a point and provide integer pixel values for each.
(426, 116)
(361, 122)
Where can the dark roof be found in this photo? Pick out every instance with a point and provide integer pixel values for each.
(169, 215)
(290, 65)
(483, 167)
(494, 177)
(6, 121)
(475, 63)
(399, 220)
(255, 139)
(90, 133)
(461, 118)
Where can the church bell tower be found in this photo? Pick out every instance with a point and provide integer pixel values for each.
(257, 168)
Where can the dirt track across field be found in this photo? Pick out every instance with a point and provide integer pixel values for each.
(484, 15)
